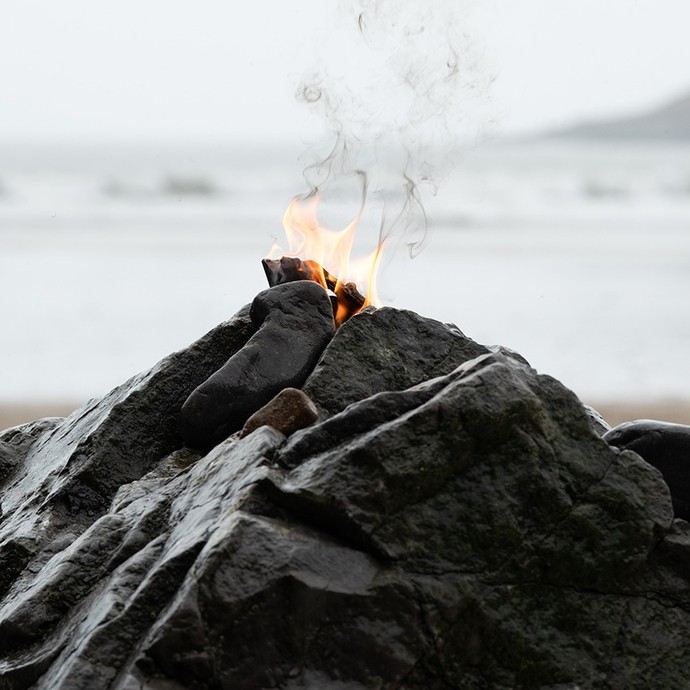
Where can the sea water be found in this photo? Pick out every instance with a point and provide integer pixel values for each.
(576, 255)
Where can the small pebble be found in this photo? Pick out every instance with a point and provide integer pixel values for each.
(290, 410)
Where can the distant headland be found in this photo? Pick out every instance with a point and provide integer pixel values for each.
(668, 122)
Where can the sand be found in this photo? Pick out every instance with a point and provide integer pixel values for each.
(613, 412)
(12, 414)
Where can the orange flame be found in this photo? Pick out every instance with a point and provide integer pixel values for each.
(328, 251)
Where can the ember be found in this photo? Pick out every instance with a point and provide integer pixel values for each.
(345, 298)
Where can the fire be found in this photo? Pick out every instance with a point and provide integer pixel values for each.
(325, 256)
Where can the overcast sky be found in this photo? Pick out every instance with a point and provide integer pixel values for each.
(219, 70)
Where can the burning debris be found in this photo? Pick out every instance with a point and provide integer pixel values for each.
(329, 253)
(345, 297)
(295, 319)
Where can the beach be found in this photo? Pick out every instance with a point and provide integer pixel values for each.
(14, 414)
(677, 411)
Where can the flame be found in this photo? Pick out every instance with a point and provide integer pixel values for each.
(327, 254)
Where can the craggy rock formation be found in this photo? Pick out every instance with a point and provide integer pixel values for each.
(470, 531)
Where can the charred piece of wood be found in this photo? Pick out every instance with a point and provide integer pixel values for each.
(348, 300)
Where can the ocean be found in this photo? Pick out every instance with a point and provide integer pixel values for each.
(576, 255)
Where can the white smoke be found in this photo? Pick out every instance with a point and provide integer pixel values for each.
(399, 87)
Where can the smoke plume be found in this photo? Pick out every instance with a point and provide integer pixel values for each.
(398, 87)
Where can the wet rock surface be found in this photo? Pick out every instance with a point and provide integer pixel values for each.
(468, 530)
(294, 323)
(289, 411)
(385, 350)
(665, 446)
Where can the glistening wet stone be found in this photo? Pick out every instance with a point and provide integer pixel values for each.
(289, 411)
(295, 323)
(664, 445)
(385, 350)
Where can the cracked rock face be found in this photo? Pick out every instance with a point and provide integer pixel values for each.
(461, 527)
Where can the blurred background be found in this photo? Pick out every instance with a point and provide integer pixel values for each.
(148, 152)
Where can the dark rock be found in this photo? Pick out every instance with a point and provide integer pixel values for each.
(16, 442)
(385, 350)
(369, 414)
(85, 613)
(468, 532)
(289, 411)
(665, 446)
(490, 425)
(599, 425)
(295, 323)
(61, 475)
(507, 352)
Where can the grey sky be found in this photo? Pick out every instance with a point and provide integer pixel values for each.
(212, 69)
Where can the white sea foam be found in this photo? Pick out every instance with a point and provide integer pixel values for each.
(576, 256)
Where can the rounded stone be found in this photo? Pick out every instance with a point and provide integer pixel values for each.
(664, 445)
(290, 410)
(295, 323)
